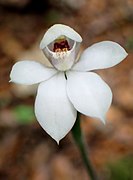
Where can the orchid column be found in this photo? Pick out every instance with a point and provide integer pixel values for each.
(68, 86)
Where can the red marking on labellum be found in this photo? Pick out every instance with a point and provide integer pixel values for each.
(61, 46)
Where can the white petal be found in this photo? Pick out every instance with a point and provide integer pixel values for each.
(58, 30)
(89, 94)
(30, 72)
(101, 55)
(53, 109)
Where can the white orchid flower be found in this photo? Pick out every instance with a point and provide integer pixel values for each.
(68, 87)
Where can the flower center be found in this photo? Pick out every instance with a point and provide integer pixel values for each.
(61, 45)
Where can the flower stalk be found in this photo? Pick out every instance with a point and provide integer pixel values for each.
(80, 142)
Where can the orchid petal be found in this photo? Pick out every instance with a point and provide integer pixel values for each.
(56, 31)
(89, 94)
(101, 55)
(30, 72)
(54, 111)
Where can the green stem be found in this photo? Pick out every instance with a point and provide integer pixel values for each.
(79, 140)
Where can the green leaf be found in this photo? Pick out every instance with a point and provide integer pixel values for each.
(121, 169)
(24, 113)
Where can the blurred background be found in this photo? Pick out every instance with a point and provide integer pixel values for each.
(26, 151)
